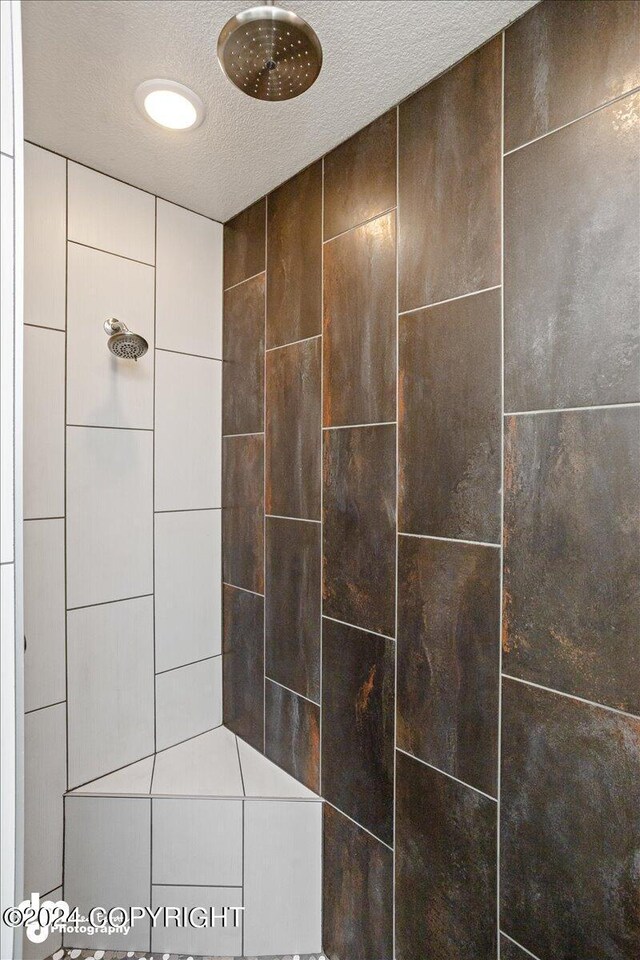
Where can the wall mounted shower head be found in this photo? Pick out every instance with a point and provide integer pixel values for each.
(269, 53)
(123, 343)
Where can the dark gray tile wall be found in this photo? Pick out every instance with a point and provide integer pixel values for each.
(561, 332)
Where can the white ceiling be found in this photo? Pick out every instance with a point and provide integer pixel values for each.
(83, 60)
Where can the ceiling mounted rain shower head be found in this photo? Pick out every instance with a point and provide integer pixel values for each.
(269, 53)
(123, 343)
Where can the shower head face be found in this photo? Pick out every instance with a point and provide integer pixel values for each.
(127, 346)
(270, 53)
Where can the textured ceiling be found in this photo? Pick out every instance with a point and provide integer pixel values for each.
(84, 58)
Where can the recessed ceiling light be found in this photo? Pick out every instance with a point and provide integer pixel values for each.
(169, 104)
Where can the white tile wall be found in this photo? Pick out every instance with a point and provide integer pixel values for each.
(188, 432)
(44, 785)
(282, 877)
(110, 215)
(110, 676)
(6, 350)
(188, 701)
(205, 766)
(109, 514)
(187, 587)
(215, 941)
(6, 80)
(135, 778)
(44, 613)
(45, 236)
(197, 842)
(103, 390)
(189, 282)
(39, 951)
(107, 863)
(43, 423)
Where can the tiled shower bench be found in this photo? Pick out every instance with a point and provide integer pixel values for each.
(209, 822)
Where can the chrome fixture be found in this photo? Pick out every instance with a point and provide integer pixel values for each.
(269, 53)
(123, 343)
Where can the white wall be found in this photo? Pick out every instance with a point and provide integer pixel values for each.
(122, 486)
(11, 224)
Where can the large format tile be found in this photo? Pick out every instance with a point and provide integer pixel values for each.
(293, 430)
(207, 765)
(292, 734)
(103, 390)
(572, 247)
(44, 613)
(188, 701)
(188, 282)
(358, 725)
(183, 939)
(45, 237)
(243, 664)
(563, 59)
(110, 675)
(294, 258)
(243, 512)
(449, 182)
(109, 515)
(357, 900)
(445, 866)
(283, 842)
(110, 215)
(359, 527)
(244, 244)
(45, 781)
(572, 558)
(188, 431)
(7, 352)
(569, 819)
(132, 779)
(107, 858)
(359, 325)
(449, 412)
(43, 465)
(360, 176)
(243, 367)
(293, 588)
(197, 842)
(510, 951)
(449, 657)
(188, 593)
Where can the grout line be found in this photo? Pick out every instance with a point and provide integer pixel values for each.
(444, 773)
(153, 773)
(354, 626)
(244, 792)
(598, 406)
(104, 603)
(227, 436)
(38, 520)
(100, 426)
(519, 945)
(46, 706)
(205, 886)
(109, 253)
(189, 510)
(501, 573)
(278, 516)
(191, 663)
(363, 223)
(41, 326)
(347, 817)
(439, 303)
(572, 696)
(294, 692)
(397, 539)
(244, 589)
(246, 279)
(583, 116)
(471, 543)
(126, 183)
(292, 343)
(151, 856)
(79, 786)
(355, 426)
(185, 353)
